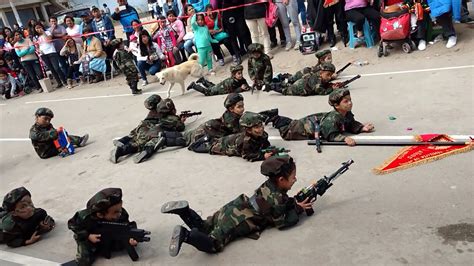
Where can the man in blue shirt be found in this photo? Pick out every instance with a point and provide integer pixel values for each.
(125, 14)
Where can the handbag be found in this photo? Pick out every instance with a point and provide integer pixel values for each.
(271, 17)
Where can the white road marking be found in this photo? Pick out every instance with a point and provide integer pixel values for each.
(411, 71)
(455, 137)
(94, 97)
(24, 260)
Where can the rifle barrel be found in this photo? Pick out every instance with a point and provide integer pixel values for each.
(343, 68)
(391, 143)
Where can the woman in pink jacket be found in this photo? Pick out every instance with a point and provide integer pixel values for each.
(359, 10)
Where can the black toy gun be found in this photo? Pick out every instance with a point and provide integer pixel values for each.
(257, 85)
(317, 140)
(320, 187)
(346, 82)
(121, 232)
(274, 150)
(343, 68)
(188, 113)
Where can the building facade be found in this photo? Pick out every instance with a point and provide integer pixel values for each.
(20, 11)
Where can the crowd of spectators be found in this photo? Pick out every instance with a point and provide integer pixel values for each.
(185, 27)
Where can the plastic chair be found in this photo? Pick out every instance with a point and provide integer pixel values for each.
(368, 34)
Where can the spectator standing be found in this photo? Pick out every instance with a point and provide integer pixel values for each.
(199, 5)
(103, 25)
(49, 55)
(178, 26)
(86, 20)
(203, 40)
(30, 27)
(25, 49)
(106, 10)
(286, 7)
(149, 56)
(233, 22)
(443, 12)
(174, 5)
(323, 19)
(255, 20)
(166, 40)
(152, 8)
(58, 32)
(72, 29)
(125, 13)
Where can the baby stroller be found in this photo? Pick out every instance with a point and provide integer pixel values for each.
(395, 27)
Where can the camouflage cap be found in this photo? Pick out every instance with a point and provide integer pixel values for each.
(115, 42)
(255, 47)
(327, 67)
(43, 111)
(250, 119)
(232, 98)
(152, 101)
(166, 106)
(236, 68)
(276, 165)
(336, 96)
(322, 53)
(14, 196)
(103, 199)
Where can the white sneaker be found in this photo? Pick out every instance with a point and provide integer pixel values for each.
(288, 46)
(297, 45)
(144, 83)
(451, 42)
(422, 45)
(212, 72)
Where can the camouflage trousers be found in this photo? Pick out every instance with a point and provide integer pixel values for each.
(233, 220)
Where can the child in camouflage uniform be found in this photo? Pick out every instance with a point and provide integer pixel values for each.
(331, 126)
(259, 66)
(124, 61)
(22, 224)
(324, 56)
(269, 206)
(225, 125)
(247, 144)
(161, 128)
(105, 205)
(43, 135)
(236, 83)
(312, 83)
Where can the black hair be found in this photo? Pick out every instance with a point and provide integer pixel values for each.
(66, 17)
(53, 17)
(200, 15)
(86, 30)
(171, 12)
(161, 18)
(20, 32)
(285, 171)
(144, 47)
(38, 25)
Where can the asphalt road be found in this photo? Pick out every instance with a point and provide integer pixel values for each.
(363, 219)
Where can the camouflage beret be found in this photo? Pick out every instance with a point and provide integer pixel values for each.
(14, 196)
(255, 47)
(232, 98)
(166, 106)
(250, 119)
(336, 96)
(103, 199)
(327, 67)
(322, 53)
(116, 41)
(152, 101)
(276, 165)
(236, 68)
(44, 111)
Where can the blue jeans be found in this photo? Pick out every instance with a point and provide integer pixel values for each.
(302, 11)
(143, 67)
(188, 46)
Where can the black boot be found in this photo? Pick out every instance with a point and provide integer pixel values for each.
(331, 36)
(120, 151)
(197, 239)
(191, 86)
(134, 88)
(281, 121)
(275, 86)
(188, 215)
(122, 141)
(174, 138)
(205, 82)
(149, 150)
(269, 115)
(202, 145)
(197, 87)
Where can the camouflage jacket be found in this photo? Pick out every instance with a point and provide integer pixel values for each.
(268, 207)
(83, 223)
(42, 139)
(333, 127)
(227, 86)
(227, 124)
(309, 84)
(261, 68)
(152, 125)
(241, 144)
(15, 231)
(125, 62)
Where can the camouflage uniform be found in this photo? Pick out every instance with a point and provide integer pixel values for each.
(333, 125)
(313, 69)
(246, 216)
(15, 231)
(309, 84)
(260, 69)
(125, 62)
(85, 221)
(43, 138)
(227, 124)
(243, 144)
(228, 85)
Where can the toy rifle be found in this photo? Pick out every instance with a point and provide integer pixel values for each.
(257, 85)
(320, 187)
(343, 68)
(274, 150)
(392, 143)
(317, 140)
(188, 113)
(63, 143)
(345, 83)
(120, 232)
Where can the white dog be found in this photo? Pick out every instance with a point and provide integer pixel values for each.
(178, 73)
